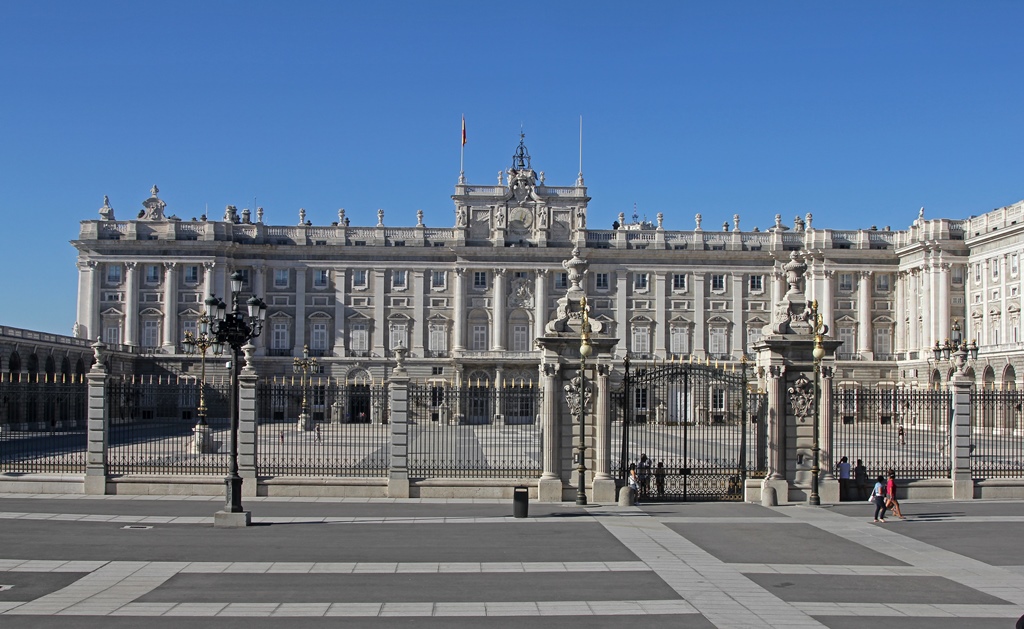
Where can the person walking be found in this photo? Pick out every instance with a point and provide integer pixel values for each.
(890, 495)
(843, 471)
(634, 483)
(860, 478)
(878, 497)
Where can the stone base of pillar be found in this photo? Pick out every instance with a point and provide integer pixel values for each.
(780, 487)
(95, 485)
(828, 490)
(228, 520)
(549, 490)
(398, 487)
(305, 421)
(603, 491)
(201, 441)
(250, 486)
(963, 489)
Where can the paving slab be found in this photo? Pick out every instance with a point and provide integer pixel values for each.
(28, 586)
(871, 589)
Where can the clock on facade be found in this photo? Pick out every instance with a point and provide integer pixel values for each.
(520, 219)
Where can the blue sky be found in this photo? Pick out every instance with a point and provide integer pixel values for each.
(858, 112)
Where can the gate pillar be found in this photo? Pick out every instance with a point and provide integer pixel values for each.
(604, 484)
(960, 437)
(98, 424)
(549, 488)
(247, 423)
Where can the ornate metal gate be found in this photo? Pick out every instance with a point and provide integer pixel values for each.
(693, 431)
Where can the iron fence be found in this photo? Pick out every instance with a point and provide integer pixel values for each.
(997, 446)
(43, 424)
(475, 431)
(152, 426)
(904, 430)
(346, 431)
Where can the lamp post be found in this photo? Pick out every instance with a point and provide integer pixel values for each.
(234, 329)
(818, 328)
(956, 351)
(586, 349)
(303, 366)
(199, 343)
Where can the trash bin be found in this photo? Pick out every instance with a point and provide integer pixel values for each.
(520, 502)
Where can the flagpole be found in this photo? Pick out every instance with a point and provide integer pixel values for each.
(462, 153)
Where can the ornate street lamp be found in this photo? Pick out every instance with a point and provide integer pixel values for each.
(818, 328)
(234, 329)
(956, 351)
(583, 392)
(303, 366)
(200, 343)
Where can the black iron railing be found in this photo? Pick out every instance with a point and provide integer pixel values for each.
(997, 434)
(42, 423)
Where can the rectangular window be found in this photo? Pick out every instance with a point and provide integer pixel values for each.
(601, 281)
(977, 272)
(438, 338)
(480, 280)
(718, 342)
(561, 281)
(679, 281)
(245, 277)
(112, 335)
(520, 338)
(479, 337)
(189, 328)
(192, 274)
(640, 281)
(320, 278)
(757, 283)
(359, 278)
(399, 279)
(848, 336)
(1014, 264)
(718, 399)
(279, 338)
(958, 274)
(718, 282)
(679, 341)
(753, 337)
(846, 282)
(883, 342)
(114, 274)
(359, 338)
(280, 278)
(399, 335)
(438, 279)
(882, 283)
(150, 333)
(995, 268)
(318, 337)
(152, 274)
(641, 340)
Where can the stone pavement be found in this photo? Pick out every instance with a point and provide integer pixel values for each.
(109, 561)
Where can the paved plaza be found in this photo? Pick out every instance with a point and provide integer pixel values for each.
(109, 561)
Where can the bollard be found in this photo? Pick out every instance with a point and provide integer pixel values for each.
(520, 502)
(626, 498)
(768, 497)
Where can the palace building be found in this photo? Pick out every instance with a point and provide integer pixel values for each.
(469, 301)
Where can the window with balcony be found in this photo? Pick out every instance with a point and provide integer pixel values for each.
(150, 333)
(478, 337)
(399, 335)
(437, 344)
(318, 337)
(359, 339)
(679, 340)
(641, 340)
(718, 342)
(520, 338)
(279, 338)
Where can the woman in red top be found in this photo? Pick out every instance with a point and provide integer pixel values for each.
(890, 494)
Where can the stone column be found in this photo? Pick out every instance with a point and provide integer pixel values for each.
(247, 444)
(131, 305)
(960, 438)
(603, 483)
(776, 418)
(340, 299)
(927, 310)
(209, 286)
(540, 306)
(499, 398)
(499, 315)
(825, 307)
(739, 327)
(398, 393)
(418, 280)
(699, 316)
(622, 311)
(170, 308)
(549, 489)
(660, 314)
(828, 484)
(89, 300)
(900, 339)
(300, 311)
(97, 438)
(864, 315)
(459, 316)
(943, 326)
(259, 289)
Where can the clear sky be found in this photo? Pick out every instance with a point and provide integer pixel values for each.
(860, 112)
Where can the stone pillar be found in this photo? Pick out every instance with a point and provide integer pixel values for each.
(258, 287)
(942, 279)
(828, 484)
(97, 437)
(131, 304)
(622, 329)
(499, 315)
(960, 438)
(776, 481)
(459, 317)
(825, 307)
(549, 489)
(247, 444)
(209, 286)
(660, 314)
(864, 315)
(900, 339)
(699, 317)
(398, 393)
(170, 308)
(540, 306)
(340, 298)
(739, 328)
(418, 280)
(499, 398)
(89, 300)
(300, 311)
(603, 483)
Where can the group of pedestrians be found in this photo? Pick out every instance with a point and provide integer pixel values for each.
(639, 478)
(883, 495)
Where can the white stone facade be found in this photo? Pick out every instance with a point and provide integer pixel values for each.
(468, 301)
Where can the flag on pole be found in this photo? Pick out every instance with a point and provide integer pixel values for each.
(463, 131)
